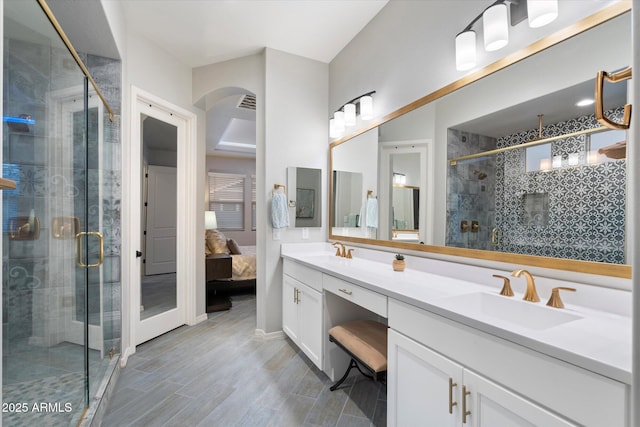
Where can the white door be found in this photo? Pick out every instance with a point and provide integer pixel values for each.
(310, 317)
(423, 387)
(160, 244)
(493, 406)
(171, 299)
(290, 307)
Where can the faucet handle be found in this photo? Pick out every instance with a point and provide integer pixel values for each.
(554, 300)
(506, 287)
(349, 253)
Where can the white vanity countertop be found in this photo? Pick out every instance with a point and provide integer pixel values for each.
(598, 341)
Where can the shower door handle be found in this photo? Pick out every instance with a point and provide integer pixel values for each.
(496, 236)
(79, 249)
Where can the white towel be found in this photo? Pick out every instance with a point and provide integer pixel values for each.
(279, 211)
(372, 212)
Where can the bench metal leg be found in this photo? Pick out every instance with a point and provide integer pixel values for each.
(352, 364)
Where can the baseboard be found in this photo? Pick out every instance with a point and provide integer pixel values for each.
(124, 357)
(199, 319)
(269, 336)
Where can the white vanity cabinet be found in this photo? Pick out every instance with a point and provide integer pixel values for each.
(302, 308)
(439, 369)
(426, 387)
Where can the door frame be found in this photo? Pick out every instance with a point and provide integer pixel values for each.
(186, 242)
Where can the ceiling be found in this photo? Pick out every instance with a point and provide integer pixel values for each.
(200, 32)
(555, 107)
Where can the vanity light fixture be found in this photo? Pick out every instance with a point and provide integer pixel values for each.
(541, 12)
(495, 22)
(346, 115)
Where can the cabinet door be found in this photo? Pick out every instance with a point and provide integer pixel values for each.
(418, 387)
(494, 406)
(310, 323)
(290, 307)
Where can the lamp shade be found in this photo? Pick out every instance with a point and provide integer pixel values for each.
(210, 221)
(465, 50)
(366, 108)
(495, 23)
(350, 114)
(338, 121)
(541, 12)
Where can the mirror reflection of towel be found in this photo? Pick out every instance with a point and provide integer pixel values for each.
(279, 211)
(371, 217)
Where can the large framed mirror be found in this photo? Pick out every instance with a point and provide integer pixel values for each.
(449, 173)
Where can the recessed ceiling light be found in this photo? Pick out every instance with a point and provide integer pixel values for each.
(584, 102)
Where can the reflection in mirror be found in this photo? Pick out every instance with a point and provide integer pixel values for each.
(562, 196)
(553, 199)
(347, 195)
(305, 196)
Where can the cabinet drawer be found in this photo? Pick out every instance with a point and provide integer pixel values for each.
(304, 274)
(370, 300)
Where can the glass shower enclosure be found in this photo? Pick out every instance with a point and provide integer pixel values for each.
(53, 339)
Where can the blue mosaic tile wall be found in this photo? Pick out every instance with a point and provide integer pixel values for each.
(29, 286)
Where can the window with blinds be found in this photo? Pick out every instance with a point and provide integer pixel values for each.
(226, 198)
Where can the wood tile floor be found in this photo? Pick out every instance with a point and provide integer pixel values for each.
(218, 373)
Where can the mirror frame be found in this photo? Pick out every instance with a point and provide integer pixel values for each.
(589, 267)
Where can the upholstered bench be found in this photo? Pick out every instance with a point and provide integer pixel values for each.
(366, 342)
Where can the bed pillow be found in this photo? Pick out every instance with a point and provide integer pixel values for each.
(234, 249)
(217, 242)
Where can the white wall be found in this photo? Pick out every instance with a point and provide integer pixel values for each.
(407, 50)
(148, 67)
(291, 130)
(296, 134)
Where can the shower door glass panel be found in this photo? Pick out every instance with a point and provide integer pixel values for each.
(45, 356)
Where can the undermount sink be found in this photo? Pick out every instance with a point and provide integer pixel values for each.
(487, 306)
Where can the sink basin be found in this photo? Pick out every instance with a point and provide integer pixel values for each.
(511, 310)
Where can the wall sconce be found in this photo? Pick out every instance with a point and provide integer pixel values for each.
(210, 220)
(346, 115)
(495, 22)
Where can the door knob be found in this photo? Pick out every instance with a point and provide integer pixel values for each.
(138, 254)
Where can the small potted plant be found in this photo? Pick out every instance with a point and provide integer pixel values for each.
(399, 263)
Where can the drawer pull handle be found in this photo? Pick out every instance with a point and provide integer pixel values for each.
(451, 402)
(465, 413)
(345, 291)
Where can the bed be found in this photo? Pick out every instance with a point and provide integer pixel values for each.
(230, 269)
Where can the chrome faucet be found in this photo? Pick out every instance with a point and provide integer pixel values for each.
(531, 294)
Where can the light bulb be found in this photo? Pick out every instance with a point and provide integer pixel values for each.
(465, 50)
(541, 12)
(496, 27)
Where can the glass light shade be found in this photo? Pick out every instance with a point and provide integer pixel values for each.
(465, 50)
(366, 108)
(350, 114)
(545, 164)
(495, 24)
(541, 12)
(338, 121)
(210, 220)
(333, 132)
(574, 159)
